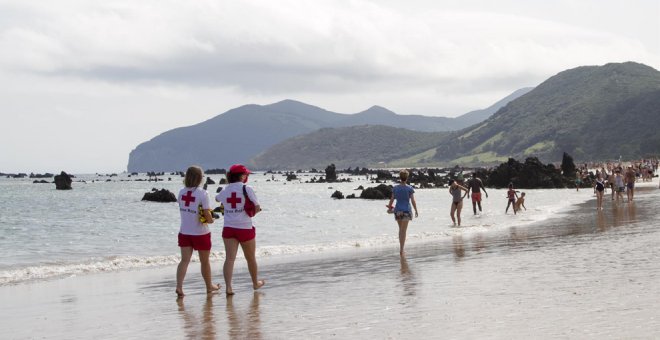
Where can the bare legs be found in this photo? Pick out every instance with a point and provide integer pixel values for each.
(403, 227)
(249, 250)
(456, 208)
(206, 271)
(182, 268)
(474, 206)
(599, 200)
(508, 205)
(231, 248)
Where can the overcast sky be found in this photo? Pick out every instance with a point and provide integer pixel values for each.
(84, 82)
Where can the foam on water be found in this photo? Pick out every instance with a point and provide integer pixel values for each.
(124, 233)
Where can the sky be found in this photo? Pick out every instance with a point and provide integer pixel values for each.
(83, 82)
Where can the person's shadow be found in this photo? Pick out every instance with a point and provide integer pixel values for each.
(244, 326)
(196, 327)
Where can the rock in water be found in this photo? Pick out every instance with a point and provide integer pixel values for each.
(337, 194)
(63, 181)
(380, 192)
(331, 173)
(162, 195)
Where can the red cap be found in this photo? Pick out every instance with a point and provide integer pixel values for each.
(239, 169)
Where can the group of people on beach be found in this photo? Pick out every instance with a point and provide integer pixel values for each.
(240, 204)
(618, 180)
(403, 194)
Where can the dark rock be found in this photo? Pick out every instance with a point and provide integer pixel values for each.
(530, 175)
(359, 188)
(380, 192)
(216, 171)
(162, 195)
(291, 177)
(383, 175)
(40, 181)
(63, 181)
(218, 190)
(337, 194)
(209, 180)
(330, 173)
(351, 196)
(46, 175)
(223, 181)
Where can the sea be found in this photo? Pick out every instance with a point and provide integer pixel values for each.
(102, 224)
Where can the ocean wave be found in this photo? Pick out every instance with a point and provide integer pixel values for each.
(54, 271)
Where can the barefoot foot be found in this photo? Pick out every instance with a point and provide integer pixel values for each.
(259, 284)
(179, 293)
(213, 289)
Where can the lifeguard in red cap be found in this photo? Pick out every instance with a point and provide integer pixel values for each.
(240, 204)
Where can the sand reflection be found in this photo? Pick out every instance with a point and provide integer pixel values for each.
(244, 326)
(198, 326)
(623, 214)
(407, 279)
(459, 247)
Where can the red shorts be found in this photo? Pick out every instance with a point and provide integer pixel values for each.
(197, 242)
(476, 197)
(242, 235)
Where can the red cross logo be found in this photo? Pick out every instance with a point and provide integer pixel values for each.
(233, 200)
(188, 198)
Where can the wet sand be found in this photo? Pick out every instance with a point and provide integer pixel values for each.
(584, 275)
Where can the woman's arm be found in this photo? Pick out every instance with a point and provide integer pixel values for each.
(208, 216)
(414, 204)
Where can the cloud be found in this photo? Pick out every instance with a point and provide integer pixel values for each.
(291, 46)
(88, 80)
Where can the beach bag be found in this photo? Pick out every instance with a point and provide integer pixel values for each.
(249, 207)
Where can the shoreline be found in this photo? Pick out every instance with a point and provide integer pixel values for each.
(561, 278)
(30, 274)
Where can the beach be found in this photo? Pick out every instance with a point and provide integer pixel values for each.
(583, 274)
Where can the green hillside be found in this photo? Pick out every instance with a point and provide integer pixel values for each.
(366, 145)
(591, 112)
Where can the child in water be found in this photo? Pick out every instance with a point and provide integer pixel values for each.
(520, 202)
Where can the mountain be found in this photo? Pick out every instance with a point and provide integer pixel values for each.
(591, 112)
(478, 116)
(240, 134)
(365, 145)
